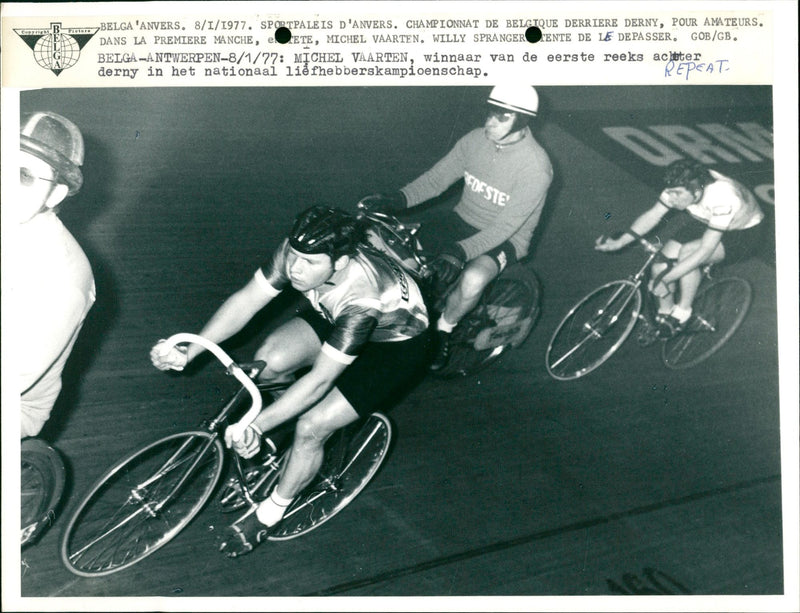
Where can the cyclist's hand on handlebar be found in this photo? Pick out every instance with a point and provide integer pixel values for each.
(606, 243)
(248, 444)
(384, 202)
(168, 357)
(449, 263)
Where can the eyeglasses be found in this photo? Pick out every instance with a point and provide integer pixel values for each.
(499, 114)
(27, 178)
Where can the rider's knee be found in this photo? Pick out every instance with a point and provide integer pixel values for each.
(278, 360)
(474, 279)
(309, 431)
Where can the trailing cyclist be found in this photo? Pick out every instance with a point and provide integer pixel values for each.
(362, 333)
(506, 175)
(722, 220)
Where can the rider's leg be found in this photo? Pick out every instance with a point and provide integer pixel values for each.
(465, 295)
(667, 302)
(675, 322)
(307, 452)
(690, 282)
(290, 347)
(477, 274)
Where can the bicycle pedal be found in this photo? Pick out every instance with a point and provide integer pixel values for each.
(700, 324)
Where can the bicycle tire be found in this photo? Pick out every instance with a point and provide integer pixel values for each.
(593, 330)
(42, 480)
(719, 308)
(340, 480)
(502, 319)
(120, 521)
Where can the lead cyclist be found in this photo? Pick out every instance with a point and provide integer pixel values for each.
(362, 333)
(708, 218)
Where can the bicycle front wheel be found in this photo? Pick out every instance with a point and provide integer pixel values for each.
(502, 319)
(141, 503)
(593, 330)
(717, 312)
(351, 461)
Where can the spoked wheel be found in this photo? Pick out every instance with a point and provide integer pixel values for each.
(718, 311)
(593, 330)
(502, 319)
(141, 503)
(42, 479)
(352, 458)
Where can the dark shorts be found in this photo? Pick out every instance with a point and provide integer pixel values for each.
(449, 228)
(382, 373)
(739, 244)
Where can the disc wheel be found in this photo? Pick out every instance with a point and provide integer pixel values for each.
(141, 503)
(718, 311)
(42, 479)
(352, 459)
(502, 319)
(593, 330)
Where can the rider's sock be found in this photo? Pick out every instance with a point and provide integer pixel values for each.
(271, 511)
(681, 314)
(444, 326)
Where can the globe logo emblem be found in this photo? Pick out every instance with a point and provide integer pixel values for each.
(56, 48)
(56, 52)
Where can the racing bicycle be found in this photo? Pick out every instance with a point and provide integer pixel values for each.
(147, 498)
(504, 317)
(595, 328)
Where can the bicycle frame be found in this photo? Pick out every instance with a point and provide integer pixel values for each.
(248, 388)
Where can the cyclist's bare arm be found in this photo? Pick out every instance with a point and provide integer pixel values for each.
(230, 318)
(641, 226)
(705, 253)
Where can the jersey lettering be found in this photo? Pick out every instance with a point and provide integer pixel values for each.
(492, 194)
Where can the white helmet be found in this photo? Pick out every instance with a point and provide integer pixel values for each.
(517, 98)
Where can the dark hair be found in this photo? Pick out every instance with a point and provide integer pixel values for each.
(320, 229)
(687, 173)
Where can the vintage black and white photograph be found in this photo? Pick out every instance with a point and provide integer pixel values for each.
(503, 339)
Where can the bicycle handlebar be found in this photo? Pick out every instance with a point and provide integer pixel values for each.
(655, 250)
(233, 368)
(648, 246)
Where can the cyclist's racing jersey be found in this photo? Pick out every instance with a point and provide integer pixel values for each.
(725, 205)
(370, 300)
(504, 189)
